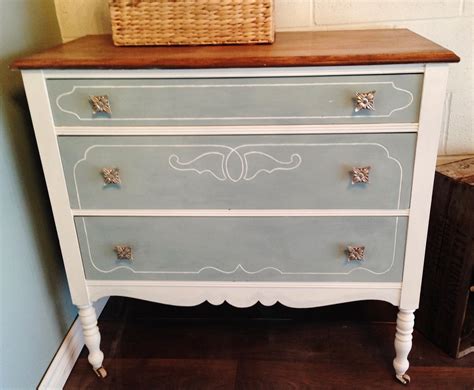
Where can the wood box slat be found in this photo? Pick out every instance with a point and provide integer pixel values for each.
(446, 306)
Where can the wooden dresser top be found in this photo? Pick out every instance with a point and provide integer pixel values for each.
(316, 48)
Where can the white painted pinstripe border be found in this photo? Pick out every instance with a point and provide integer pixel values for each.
(75, 87)
(239, 266)
(84, 158)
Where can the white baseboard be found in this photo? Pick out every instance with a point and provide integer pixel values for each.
(67, 354)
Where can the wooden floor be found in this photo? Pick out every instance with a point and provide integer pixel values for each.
(349, 346)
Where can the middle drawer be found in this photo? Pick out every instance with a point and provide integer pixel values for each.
(239, 172)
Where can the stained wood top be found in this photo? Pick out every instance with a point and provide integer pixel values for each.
(316, 48)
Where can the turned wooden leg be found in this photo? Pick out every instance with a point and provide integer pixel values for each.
(403, 337)
(88, 318)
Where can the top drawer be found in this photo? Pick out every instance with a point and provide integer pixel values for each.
(236, 101)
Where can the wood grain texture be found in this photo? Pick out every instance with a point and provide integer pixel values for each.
(208, 347)
(461, 170)
(446, 313)
(316, 48)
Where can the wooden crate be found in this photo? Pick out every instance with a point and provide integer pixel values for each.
(446, 313)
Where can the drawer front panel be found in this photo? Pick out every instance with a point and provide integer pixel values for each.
(243, 249)
(240, 172)
(236, 101)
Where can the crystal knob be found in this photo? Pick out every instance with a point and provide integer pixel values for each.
(360, 175)
(111, 175)
(365, 101)
(100, 103)
(124, 252)
(355, 253)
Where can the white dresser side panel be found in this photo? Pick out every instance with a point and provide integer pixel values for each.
(38, 101)
(431, 114)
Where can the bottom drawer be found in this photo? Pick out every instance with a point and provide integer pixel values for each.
(243, 248)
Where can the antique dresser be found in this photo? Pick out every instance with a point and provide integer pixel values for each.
(299, 172)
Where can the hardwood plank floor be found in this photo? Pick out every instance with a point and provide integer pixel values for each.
(151, 346)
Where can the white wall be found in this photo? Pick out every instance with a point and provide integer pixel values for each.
(447, 22)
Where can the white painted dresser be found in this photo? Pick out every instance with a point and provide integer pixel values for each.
(298, 172)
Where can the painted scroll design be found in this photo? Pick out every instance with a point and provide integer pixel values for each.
(234, 165)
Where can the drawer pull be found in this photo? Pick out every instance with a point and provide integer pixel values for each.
(365, 101)
(355, 253)
(100, 103)
(124, 252)
(360, 175)
(111, 175)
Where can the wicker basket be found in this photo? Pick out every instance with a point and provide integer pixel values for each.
(191, 22)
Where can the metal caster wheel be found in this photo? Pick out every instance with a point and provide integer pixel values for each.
(404, 379)
(101, 372)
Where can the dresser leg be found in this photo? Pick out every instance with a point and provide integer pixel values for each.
(88, 318)
(403, 337)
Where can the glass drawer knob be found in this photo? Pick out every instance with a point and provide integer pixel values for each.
(100, 103)
(124, 252)
(111, 175)
(360, 174)
(365, 101)
(355, 253)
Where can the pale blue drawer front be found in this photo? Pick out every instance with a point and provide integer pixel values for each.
(240, 172)
(236, 101)
(243, 249)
